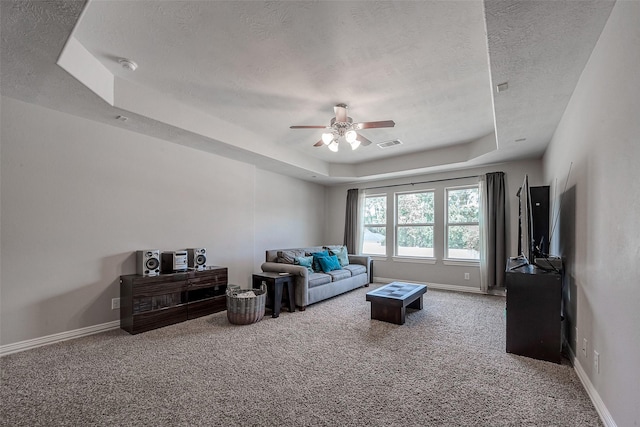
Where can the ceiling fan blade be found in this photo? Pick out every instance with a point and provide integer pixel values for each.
(363, 141)
(371, 125)
(341, 113)
(318, 144)
(308, 127)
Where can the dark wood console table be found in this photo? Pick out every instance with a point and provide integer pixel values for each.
(150, 302)
(534, 311)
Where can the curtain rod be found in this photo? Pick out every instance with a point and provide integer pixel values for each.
(421, 182)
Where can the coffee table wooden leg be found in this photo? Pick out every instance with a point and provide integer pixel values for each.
(387, 313)
(417, 304)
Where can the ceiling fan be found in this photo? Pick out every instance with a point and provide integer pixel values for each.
(343, 126)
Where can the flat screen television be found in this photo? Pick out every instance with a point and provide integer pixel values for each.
(526, 244)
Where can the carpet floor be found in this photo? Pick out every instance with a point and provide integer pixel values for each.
(330, 365)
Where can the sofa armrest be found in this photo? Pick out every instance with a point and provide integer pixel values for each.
(279, 267)
(360, 259)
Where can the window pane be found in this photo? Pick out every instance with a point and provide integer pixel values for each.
(463, 241)
(415, 208)
(463, 205)
(374, 241)
(415, 241)
(375, 210)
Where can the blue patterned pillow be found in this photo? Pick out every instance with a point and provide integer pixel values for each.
(316, 256)
(329, 263)
(342, 255)
(305, 261)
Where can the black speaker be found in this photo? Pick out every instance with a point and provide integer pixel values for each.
(541, 218)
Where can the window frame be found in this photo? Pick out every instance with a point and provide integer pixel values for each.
(381, 225)
(448, 260)
(397, 226)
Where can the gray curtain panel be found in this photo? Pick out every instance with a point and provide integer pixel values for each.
(496, 236)
(351, 221)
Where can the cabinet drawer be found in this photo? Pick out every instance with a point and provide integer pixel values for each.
(153, 289)
(207, 306)
(208, 278)
(158, 318)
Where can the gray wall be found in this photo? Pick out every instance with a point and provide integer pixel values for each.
(599, 229)
(79, 197)
(450, 275)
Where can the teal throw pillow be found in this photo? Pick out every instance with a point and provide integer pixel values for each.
(342, 255)
(304, 261)
(329, 263)
(316, 256)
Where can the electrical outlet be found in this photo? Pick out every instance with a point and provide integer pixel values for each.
(466, 276)
(596, 362)
(584, 347)
(115, 303)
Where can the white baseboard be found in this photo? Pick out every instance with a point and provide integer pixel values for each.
(432, 285)
(604, 413)
(602, 410)
(62, 336)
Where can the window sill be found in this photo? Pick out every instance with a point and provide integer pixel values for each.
(461, 262)
(376, 257)
(414, 260)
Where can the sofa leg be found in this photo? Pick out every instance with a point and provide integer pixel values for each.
(302, 308)
(366, 286)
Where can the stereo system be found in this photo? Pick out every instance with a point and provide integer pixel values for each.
(197, 258)
(174, 261)
(148, 262)
(152, 262)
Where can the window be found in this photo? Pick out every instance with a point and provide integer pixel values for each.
(414, 224)
(463, 228)
(374, 239)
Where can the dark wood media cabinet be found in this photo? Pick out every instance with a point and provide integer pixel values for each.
(148, 303)
(534, 305)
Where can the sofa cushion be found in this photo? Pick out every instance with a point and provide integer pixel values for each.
(341, 253)
(305, 261)
(288, 256)
(317, 279)
(339, 275)
(316, 264)
(355, 269)
(329, 263)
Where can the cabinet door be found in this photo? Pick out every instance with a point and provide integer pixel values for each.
(149, 320)
(158, 295)
(534, 316)
(152, 302)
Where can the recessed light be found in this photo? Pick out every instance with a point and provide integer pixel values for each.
(502, 87)
(127, 64)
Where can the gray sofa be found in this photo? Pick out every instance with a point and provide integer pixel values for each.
(317, 286)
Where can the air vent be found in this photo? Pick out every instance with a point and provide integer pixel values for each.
(388, 144)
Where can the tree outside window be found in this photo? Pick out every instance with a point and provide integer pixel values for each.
(463, 226)
(374, 239)
(414, 224)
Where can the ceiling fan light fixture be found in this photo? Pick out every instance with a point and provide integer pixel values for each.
(327, 138)
(351, 136)
(355, 144)
(334, 146)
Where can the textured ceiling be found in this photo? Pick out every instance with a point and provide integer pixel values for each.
(231, 77)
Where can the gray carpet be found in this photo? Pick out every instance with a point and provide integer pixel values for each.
(329, 365)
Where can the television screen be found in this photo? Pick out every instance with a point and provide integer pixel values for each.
(525, 245)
